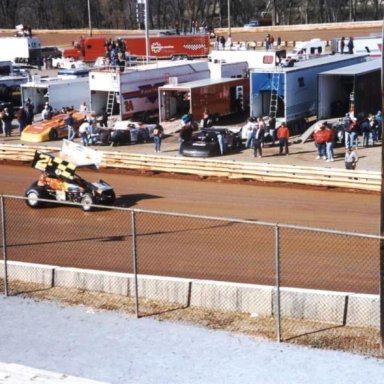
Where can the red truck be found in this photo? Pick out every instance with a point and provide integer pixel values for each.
(163, 47)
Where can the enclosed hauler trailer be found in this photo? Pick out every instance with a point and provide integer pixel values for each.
(255, 59)
(135, 91)
(20, 49)
(229, 70)
(161, 47)
(221, 97)
(57, 92)
(355, 88)
(291, 93)
(371, 45)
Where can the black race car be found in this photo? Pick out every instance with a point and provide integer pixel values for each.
(206, 143)
(59, 181)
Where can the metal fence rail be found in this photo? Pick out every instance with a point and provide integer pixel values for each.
(306, 285)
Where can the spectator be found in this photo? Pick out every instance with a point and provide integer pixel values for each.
(342, 45)
(321, 136)
(7, 122)
(258, 140)
(366, 130)
(283, 136)
(30, 108)
(185, 134)
(83, 108)
(272, 128)
(351, 159)
(157, 135)
(46, 113)
(21, 116)
(350, 45)
(250, 129)
(71, 126)
(330, 142)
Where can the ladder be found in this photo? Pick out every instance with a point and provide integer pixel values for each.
(110, 102)
(274, 102)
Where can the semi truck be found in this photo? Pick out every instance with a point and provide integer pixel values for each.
(20, 49)
(218, 97)
(162, 47)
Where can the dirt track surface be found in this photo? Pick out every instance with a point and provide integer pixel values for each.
(202, 249)
(287, 33)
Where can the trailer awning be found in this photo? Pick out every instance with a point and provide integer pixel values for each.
(355, 69)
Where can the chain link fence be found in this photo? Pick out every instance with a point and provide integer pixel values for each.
(302, 285)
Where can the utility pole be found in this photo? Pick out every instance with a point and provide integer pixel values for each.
(229, 19)
(89, 18)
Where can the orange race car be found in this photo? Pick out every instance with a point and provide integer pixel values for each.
(49, 130)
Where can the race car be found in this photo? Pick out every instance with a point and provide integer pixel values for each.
(48, 130)
(205, 143)
(59, 181)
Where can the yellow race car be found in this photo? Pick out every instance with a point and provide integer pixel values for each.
(50, 130)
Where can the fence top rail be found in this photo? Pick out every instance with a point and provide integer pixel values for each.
(213, 218)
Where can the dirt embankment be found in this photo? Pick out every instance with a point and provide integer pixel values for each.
(329, 31)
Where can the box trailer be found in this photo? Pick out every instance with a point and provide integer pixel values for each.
(57, 92)
(355, 88)
(20, 49)
(254, 59)
(371, 45)
(292, 92)
(134, 93)
(161, 47)
(221, 97)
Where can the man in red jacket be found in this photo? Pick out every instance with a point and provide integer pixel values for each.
(283, 136)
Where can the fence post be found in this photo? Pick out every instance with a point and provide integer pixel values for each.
(3, 231)
(277, 266)
(134, 259)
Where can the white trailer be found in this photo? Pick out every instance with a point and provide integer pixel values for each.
(295, 88)
(135, 91)
(370, 45)
(57, 92)
(20, 49)
(255, 59)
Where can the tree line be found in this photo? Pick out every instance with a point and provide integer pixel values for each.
(163, 14)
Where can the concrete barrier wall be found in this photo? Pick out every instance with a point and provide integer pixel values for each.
(305, 304)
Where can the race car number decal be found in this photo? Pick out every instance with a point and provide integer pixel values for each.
(53, 165)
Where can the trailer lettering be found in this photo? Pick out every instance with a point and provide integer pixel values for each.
(128, 105)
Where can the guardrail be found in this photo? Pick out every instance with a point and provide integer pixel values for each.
(262, 172)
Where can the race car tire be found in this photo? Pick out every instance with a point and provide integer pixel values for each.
(111, 198)
(33, 196)
(53, 135)
(86, 202)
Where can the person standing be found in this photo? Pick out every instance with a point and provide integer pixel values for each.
(258, 140)
(272, 128)
(7, 122)
(350, 159)
(330, 142)
(157, 134)
(283, 136)
(71, 126)
(30, 108)
(250, 129)
(185, 134)
(21, 116)
(320, 136)
(342, 45)
(350, 45)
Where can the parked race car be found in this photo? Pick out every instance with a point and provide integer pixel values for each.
(59, 181)
(131, 132)
(205, 143)
(49, 130)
